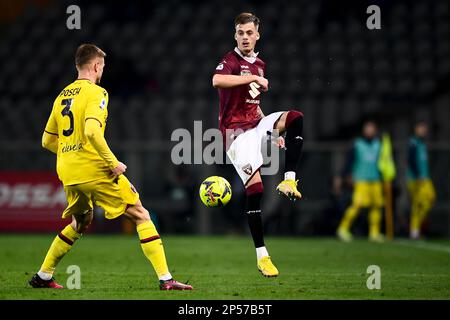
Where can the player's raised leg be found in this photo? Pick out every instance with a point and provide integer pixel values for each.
(152, 247)
(62, 244)
(254, 191)
(291, 122)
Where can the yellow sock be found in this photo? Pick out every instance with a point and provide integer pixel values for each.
(60, 246)
(374, 222)
(425, 209)
(415, 218)
(349, 215)
(153, 249)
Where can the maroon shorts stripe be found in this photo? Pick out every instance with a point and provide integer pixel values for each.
(150, 239)
(65, 239)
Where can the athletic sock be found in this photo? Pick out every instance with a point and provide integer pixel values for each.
(253, 210)
(153, 249)
(261, 252)
(349, 216)
(375, 222)
(293, 140)
(290, 175)
(60, 246)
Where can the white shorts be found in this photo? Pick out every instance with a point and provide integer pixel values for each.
(245, 151)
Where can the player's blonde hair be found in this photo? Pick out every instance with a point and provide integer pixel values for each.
(85, 53)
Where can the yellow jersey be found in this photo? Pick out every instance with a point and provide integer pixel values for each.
(77, 160)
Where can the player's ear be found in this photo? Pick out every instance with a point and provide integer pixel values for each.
(235, 36)
(257, 35)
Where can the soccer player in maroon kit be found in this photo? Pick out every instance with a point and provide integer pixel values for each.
(240, 80)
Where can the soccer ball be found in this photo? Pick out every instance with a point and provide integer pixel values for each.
(215, 191)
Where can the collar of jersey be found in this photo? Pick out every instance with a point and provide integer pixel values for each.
(83, 79)
(250, 59)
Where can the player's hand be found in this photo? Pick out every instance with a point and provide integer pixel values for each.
(349, 180)
(263, 82)
(337, 185)
(281, 143)
(121, 168)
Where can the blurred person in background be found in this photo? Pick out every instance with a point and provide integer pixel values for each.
(361, 170)
(420, 186)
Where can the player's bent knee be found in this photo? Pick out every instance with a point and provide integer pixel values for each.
(144, 215)
(138, 214)
(293, 117)
(295, 114)
(81, 223)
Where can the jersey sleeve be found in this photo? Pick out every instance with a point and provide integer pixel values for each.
(227, 66)
(97, 106)
(52, 126)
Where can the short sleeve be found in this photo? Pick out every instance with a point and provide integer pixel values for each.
(226, 66)
(52, 126)
(97, 106)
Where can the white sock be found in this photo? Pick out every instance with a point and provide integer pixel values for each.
(44, 275)
(261, 252)
(415, 234)
(165, 277)
(289, 175)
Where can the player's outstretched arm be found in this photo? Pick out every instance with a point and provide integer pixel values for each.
(94, 134)
(50, 142)
(224, 81)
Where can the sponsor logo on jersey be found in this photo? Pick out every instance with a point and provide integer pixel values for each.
(254, 92)
(252, 101)
(73, 147)
(244, 67)
(103, 104)
(220, 66)
(246, 73)
(247, 169)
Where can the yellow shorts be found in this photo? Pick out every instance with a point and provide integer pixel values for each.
(112, 194)
(368, 194)
(422, 191)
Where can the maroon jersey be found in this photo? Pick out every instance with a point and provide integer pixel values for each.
(239, 106)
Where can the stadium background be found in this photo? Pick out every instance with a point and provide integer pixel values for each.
(160, 57)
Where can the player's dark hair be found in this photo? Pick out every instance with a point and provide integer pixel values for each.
(86, 52)
(246, 17)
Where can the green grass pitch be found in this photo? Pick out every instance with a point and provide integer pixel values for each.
(113, 267)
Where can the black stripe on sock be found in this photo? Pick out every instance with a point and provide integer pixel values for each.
(150, 239)
(65, 239)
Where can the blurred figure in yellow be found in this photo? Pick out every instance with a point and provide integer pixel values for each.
(362, 169)
(420, 186)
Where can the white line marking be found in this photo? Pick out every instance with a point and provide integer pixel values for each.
(423, 245)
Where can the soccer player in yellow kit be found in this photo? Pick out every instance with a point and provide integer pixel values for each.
(91, 173)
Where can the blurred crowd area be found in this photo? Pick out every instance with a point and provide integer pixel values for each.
(321, 59)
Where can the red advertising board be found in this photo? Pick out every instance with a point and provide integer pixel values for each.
(31, 201)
